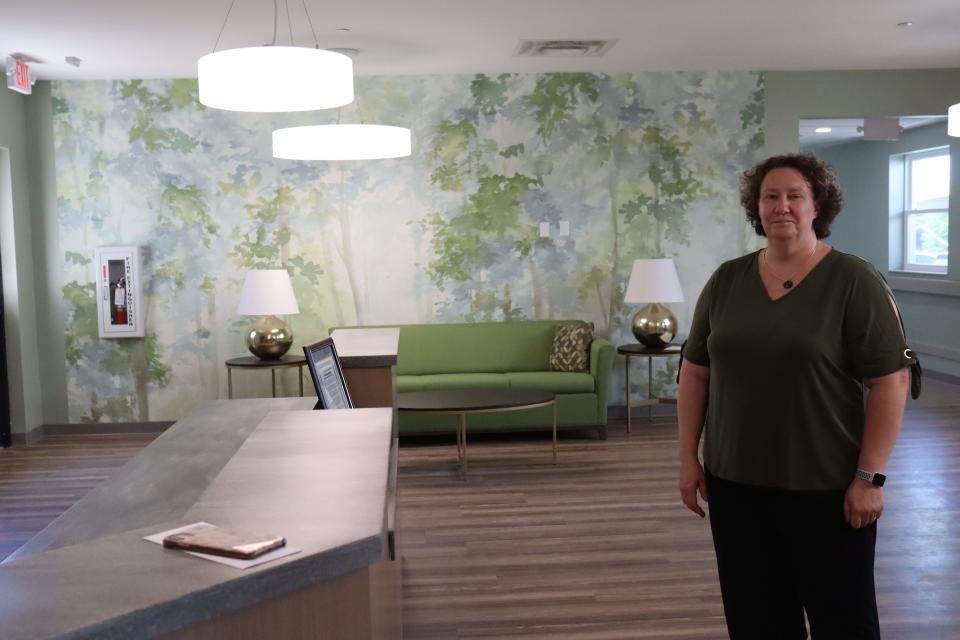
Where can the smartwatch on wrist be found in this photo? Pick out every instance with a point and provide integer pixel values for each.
(876, 479)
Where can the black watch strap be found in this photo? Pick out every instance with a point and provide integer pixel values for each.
(874, 478)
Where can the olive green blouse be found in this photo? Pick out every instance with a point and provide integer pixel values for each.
(786, 404)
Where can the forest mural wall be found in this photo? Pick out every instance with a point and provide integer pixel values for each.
(639, 165)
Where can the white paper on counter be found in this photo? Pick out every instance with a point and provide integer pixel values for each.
(236, 563)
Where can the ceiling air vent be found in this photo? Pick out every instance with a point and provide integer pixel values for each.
(563, 48)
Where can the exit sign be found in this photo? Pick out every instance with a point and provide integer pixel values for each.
(18, 76)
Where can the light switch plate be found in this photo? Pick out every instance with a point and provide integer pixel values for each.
(564, 228)
(544, 229)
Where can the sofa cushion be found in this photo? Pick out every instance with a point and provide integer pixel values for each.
(555, 381)
(476, 347)
(436, 381)
(571, 347)
(409, 383)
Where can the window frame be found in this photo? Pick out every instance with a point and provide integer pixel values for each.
(906, 213)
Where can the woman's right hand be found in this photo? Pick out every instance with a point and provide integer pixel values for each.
(692, 481)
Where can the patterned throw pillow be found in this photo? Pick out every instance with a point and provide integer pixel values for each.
(571, 347)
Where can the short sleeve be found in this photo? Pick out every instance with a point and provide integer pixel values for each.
(695, 348)
(872, 334)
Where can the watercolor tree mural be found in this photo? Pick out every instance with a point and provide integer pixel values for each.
(639, 165)
(111, 377)
(649, 150)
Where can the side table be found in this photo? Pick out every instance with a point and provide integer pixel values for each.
(643, 351)
(251, 362)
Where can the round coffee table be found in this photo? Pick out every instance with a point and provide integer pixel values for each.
(460, 402)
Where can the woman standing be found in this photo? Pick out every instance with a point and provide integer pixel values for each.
(782, 342)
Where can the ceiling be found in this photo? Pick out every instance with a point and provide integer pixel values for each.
(163, 39)
(850, 129)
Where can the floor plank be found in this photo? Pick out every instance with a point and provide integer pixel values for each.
(39, 482)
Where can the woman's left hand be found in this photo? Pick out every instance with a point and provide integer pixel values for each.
(862, 504)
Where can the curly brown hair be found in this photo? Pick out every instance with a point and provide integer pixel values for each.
(821, 176)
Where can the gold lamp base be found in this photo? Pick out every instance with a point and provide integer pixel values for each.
(655, 325)
(269, 338)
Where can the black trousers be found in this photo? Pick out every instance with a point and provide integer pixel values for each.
(780, 553)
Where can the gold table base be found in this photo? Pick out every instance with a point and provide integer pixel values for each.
(461, 414)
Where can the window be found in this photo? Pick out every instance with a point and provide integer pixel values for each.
(926, 215)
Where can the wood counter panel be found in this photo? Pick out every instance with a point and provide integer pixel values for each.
(360, 605)
(368, 358)
(372, 387)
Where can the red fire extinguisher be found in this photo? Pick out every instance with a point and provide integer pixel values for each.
(120, 302)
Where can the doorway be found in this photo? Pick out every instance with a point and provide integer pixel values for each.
(6, 211)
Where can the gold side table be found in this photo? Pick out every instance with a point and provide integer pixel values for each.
(638, 350)
(251, 362)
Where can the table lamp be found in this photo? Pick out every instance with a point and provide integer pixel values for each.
(654, 281)
(268, 293)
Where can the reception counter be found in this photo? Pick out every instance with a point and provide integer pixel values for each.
(369, 360)
(323, 479)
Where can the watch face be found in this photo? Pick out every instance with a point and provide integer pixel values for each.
(875, 478)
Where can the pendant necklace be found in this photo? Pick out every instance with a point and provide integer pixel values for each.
(788, 282)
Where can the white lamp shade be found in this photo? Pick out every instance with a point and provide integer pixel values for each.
(267, 292)
(341, 142)
(953, 121)
(272, 78)
(653, 280)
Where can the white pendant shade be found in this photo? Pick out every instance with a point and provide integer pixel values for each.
(274, 78)
(653, 280)
(953, 121)
(267, 292)
(341, 142)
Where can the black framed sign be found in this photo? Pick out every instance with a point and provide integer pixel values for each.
(328, 380)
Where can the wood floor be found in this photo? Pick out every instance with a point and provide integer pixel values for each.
(597, 547)
(40, 482)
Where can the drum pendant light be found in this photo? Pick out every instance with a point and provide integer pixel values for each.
(272, 78)
(342, 141)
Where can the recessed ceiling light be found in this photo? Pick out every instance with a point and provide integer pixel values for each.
(906, 23)
(822, 130)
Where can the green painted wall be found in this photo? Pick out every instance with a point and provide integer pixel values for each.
(792, 95)
(45, 231)
(16, 248)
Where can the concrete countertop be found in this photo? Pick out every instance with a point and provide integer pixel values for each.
(374, 347)
(164, 480)
(320, 478)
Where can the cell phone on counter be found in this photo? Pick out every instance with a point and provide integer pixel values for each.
(208, 538)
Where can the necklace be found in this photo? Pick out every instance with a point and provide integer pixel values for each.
(788, 282)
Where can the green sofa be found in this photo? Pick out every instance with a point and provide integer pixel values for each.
(484, 355)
